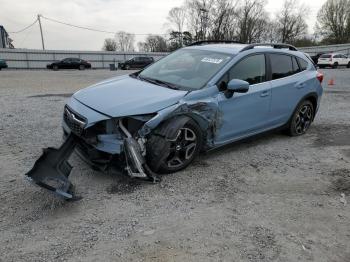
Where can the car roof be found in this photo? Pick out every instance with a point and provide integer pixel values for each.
(333, 54)
(223, 48)
(234, 49)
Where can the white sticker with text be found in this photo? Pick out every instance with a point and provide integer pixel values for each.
(211, 60)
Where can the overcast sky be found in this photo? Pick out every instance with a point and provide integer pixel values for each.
(136, 16)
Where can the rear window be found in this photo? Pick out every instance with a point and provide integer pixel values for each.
(325, 56)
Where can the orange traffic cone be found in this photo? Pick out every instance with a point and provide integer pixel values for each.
(331, 82)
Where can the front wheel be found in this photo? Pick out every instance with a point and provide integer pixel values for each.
(301, 119)
(127, 67)
(335, 65)
(348, 65)
(168, 156)
(55, 67)
(81, 67)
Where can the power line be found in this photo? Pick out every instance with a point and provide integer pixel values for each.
(81, 27)
(20, 31)
(86, 28)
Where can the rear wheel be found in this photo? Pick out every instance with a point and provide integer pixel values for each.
(302, 119)
(127, 67)
(335, 65)
(348, 65)
(168, 156)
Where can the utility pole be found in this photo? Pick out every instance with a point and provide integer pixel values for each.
(41, 32)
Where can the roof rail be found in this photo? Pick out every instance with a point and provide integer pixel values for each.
(204, 42)
(277, 46)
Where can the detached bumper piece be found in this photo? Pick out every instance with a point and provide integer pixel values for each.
(136, 163)
(52, 169)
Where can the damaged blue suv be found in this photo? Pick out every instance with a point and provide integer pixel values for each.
(197, 98)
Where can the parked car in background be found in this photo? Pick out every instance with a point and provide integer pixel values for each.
(316, 57)
(333, 60)
(137, 62)
(197, 98)
(3, 64)
(69, 63)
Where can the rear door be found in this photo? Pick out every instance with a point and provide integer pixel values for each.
(245, 113)
(75, 63)
(137, 62)
(344, 59)
(289, 84)
(66, 63)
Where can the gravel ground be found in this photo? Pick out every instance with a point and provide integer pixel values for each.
(271, 198)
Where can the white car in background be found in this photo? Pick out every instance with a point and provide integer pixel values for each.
(333, 60)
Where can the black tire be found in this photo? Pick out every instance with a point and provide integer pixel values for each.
(81, 67)
(335, 65)
(321, 66)
(55, 67)
(301, 119)
(127, 67)
(348, 65)
(164, 156)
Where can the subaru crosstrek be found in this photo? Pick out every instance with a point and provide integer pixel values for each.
(197, 98)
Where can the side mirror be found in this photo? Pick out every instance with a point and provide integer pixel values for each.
(237, 85)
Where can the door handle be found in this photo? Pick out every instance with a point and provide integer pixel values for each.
(264, 93)
(301, 85)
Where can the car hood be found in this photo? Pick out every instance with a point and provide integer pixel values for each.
(122, 96)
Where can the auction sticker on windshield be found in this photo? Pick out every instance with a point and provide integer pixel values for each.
(211, 60)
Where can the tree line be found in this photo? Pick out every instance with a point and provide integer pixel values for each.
(244, 21)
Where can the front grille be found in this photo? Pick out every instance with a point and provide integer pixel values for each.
(75, 122)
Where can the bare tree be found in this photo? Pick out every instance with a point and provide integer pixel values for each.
(176, 19)
(109, 45)
(333, 21)
(125, 41)
(251, 21)
(290, 21)
(199, 13)
(222, 20)
(153, 43)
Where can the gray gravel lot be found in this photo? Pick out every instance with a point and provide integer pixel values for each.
(271, 198)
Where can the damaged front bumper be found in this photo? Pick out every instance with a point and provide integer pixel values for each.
(52, 169)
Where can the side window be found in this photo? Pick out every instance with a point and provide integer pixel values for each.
(303, 64)
(250, 69)
(281, 66)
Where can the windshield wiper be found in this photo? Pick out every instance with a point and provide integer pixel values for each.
(158, 82)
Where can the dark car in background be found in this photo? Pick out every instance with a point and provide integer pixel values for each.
(316, 57)
(3, 64)
(69, 63)
(137, 62)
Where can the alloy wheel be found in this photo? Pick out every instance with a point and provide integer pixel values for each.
(182, 148)
(303, 119)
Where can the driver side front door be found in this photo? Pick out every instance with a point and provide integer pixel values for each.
(244, 114)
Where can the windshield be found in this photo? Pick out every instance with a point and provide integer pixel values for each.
(187, 69)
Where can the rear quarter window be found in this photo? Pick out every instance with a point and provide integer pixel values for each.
(303, 64)
(325, 56)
